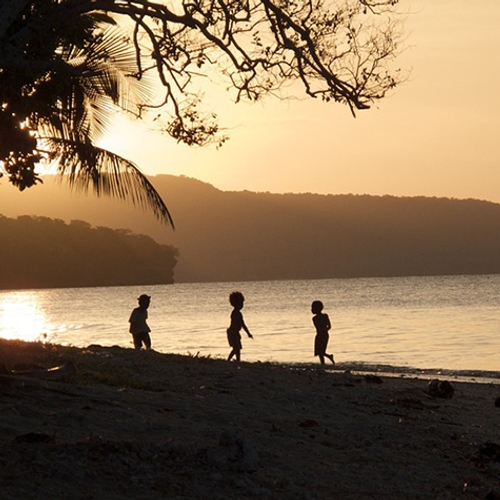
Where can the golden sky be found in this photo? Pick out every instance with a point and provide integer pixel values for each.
(436, 135)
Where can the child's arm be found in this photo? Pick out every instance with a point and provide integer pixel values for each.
(132, 320)
(327, 323)
(246, 328)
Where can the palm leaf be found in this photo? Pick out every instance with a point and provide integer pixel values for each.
(87, 167)
(106, 78)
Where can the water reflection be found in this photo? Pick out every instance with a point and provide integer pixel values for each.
(21, 317)
(437, 323)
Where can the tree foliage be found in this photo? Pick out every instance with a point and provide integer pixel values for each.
(39, 252)
(66, 66)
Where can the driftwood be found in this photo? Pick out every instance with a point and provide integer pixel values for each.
(62, 372)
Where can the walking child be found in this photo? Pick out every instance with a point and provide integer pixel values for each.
(237, 300)
(322, 323)
(139, 327)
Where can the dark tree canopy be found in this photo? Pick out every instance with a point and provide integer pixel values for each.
(39, 252)
(67, 65)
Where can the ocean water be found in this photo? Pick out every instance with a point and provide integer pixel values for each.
(445, 323)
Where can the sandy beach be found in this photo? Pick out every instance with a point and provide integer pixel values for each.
(145, 425)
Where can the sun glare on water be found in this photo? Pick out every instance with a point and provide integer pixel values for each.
(21, 317)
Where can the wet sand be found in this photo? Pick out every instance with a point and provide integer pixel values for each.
(145, 425)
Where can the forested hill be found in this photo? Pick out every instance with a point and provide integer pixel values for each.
(225, 236)
(38, 252)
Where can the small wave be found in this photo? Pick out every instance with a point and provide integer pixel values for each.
(434, 373)
(481, 376)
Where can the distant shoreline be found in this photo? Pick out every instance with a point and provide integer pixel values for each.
(173, 283)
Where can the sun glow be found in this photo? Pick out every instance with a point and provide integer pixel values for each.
(22, 318)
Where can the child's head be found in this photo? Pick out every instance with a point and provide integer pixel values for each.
(317, 307)
(144, 300)
(236, 299)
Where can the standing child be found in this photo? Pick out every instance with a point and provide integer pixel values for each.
(139, 327)
(237, 300)
(322, 323)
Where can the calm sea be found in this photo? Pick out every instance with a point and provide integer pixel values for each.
(410, 324)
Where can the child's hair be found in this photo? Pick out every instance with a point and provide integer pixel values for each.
(144, 299)
(317, 306)
(236, 298)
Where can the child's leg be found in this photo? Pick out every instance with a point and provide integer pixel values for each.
(231, 354)
(147, 340)
(321, 359)
(137, 340)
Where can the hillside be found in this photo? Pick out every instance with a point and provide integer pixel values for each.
(224, 236)
(38, 252)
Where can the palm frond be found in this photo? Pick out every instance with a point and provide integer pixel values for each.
(110, 69)
(87, 167)
(92, 82)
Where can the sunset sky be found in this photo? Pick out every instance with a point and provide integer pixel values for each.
(436, 135)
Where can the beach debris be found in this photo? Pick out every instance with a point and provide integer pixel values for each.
(24, 367)
(440, 389)
(62, 372)
(234, 452)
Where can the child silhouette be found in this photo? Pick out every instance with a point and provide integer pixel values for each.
(139, 327)
(322, 323)
(237, 300)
